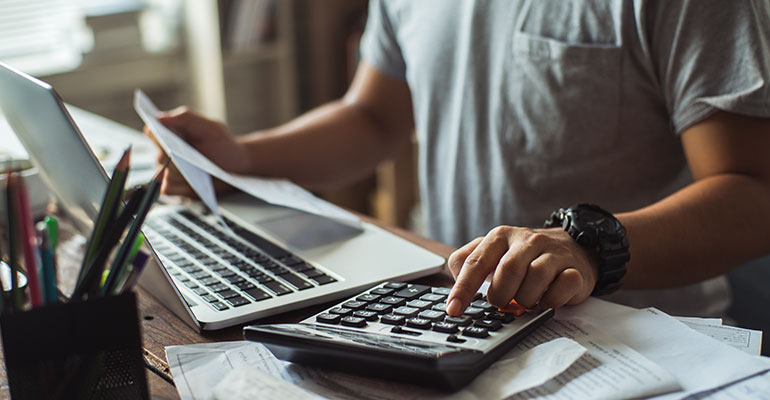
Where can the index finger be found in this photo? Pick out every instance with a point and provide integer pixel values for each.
(475, 269)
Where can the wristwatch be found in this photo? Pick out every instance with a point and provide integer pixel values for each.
(596, 229)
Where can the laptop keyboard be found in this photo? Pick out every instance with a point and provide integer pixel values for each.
(227, 270)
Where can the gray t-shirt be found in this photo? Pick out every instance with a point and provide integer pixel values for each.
(522, 107)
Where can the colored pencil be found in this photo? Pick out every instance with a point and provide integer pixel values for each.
(13, 243)
(113, 285)
(110, 205)
(47, 274)
(28, 244)
(153, 191)
(94, 270)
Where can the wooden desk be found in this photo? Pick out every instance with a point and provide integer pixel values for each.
(162, 328)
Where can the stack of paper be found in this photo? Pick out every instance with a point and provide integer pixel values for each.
(596, 350)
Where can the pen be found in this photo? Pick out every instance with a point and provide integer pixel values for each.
(28, 243)
(110, 205)
(47, 274)
(138, 265)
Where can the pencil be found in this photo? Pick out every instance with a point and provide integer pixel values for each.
(110, 205)
(112, 284)
(153, 191)
(13, 244)
(94, 270)
(28, 244)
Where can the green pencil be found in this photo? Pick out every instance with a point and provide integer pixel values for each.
(110, 205)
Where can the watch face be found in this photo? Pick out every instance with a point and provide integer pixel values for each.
(596, 220)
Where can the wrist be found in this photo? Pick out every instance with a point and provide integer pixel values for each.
(598, 232)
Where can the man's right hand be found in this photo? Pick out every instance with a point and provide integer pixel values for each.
(210, 137)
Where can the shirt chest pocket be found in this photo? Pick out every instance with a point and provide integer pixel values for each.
(562, 99)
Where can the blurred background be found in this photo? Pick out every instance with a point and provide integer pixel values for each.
(250, 63)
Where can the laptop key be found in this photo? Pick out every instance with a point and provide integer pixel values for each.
(323, 279)
(238, 301)
(312, 273)
(244, 285)
(218, 287)
(257, 294)
(210, 281)
(235, 279)
(209, 298)
(262, 243)
(200, 291)
(296, 281)
(277, 288)
(219, 306)
(227, 294)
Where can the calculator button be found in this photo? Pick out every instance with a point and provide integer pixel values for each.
(455, 339)
(367, 315)
(439, 307)
(393, 319)
(462, 320)
(513, 308)
(379, 308)
(355, 322)
(445, 327)
(432, 315)
(354, 305)
(474, 331)
(419, 323)
(328, 318)
(382, 291)
(501, 316)
(478, 296)
(393, 301)
(341, 311)
(407, 311)
(395, 285)
(432, 297)
(441, 290)
(368, 298)
(483, 305)
(491, 324)
(419, 304)
(412, 292)
(474, 312)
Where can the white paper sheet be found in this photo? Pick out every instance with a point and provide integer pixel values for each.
(249, 383)
(197, 369)
(754, 388)
(746, 340)
(274, 191)
(697, 361)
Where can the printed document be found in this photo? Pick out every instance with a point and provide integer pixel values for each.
(198, 170)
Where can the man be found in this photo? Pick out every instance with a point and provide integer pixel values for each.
(655, 110)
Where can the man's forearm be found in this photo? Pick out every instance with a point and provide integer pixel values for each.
(699, 232)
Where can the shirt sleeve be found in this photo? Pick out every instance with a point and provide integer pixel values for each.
(710, 57)
(379, 44)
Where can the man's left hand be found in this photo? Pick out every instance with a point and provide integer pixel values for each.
(530, 266)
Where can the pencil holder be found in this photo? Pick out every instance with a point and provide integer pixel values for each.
(79, 350)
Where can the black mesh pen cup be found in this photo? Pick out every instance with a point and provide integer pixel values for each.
(79, 350)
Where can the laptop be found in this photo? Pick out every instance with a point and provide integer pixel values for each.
(268, 260)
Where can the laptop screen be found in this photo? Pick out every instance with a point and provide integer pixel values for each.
(45, 128)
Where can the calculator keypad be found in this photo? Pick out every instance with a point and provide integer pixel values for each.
(416, 309)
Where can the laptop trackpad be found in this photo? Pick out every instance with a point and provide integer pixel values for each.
(304, 231)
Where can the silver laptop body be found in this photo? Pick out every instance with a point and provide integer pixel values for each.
(325, 261)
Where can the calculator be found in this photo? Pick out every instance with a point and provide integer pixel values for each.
(401, 331)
